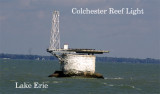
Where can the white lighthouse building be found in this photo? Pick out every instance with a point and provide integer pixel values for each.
(73, 62)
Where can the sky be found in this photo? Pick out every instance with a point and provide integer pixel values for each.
(25, 27)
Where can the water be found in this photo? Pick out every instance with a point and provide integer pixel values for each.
(120, 78)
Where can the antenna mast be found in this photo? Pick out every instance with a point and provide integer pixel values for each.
(55, 36)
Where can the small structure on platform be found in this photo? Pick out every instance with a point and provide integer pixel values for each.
(73, 62)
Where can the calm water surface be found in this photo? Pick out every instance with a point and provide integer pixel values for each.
(120, 78)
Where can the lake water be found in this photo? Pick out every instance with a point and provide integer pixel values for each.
(120, 78)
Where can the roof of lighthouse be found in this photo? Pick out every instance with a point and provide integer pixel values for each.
(85, 51)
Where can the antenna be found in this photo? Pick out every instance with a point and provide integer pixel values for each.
(55, 36)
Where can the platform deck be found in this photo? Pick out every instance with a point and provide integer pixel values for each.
(87, 51)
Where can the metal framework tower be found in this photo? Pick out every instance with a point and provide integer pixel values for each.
(55, 36)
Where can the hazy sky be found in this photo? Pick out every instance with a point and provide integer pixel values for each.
(25, 27)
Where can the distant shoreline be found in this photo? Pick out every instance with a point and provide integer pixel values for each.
(98, 59)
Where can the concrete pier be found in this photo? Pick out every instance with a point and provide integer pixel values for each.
(61, 74)
(77, 64)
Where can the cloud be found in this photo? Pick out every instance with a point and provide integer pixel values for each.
(25, 3)
(3, 18)
(41, 14)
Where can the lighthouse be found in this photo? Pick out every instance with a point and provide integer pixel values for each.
(73, 62)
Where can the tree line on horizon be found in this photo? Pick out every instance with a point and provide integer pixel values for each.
(98, 59)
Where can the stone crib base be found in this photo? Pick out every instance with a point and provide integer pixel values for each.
(85, 75)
